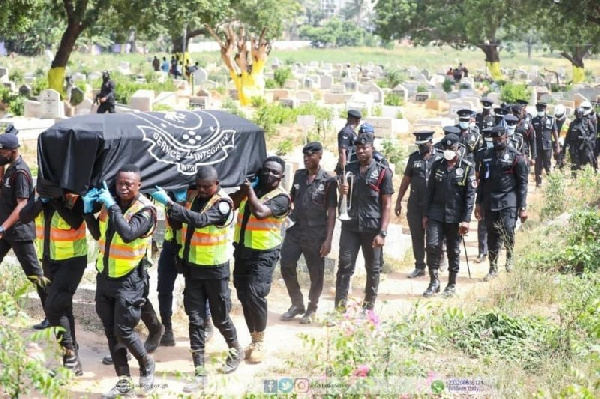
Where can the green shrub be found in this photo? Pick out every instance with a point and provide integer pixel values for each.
(270, 84)
(232, 107)
(393, 78)
(511, 92)
(16, 75)
(258, 101)
(393, 99)
(284, 147)
(394, 152)
(161, 107)
(422, 89)
(399, 115)
(448, 85)
(281, 75)
(377, 110)
(16, 105)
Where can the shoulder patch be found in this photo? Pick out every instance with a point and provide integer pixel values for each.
(224, 207)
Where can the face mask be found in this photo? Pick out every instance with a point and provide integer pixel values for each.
(500, 146)
(489, 143)
(541, 114)
(424, 149)
(4, 161)
(449, 155)
(487, 108)
(268, 180)
(463, 125)
(510, 129)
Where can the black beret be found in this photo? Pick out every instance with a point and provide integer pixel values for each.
(451, 130)
(365, 138)
(354, 114)
(312, 148)
(498, 131)
(450, 140)
(423, 136)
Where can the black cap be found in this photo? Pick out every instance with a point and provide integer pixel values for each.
(354, 114)
(464, 113)
(9, 141)
(312, 148)
(366, 128)
(423, 136)
(365, 138)
(498, 131)
(11, 129)
(486, 102)
(501, 111)
(516, 108)
(540, 105)
(450, 140)
(523, 102)
(451, 130)
(487, 131)
(511, 119)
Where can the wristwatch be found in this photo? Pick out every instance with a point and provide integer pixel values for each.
(383, 233)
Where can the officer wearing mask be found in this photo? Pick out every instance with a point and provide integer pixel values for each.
(203, 225)
(499, 114)
(371, 197)
(124, 231)
(560, 117)
(590, 115)
(481, 228)
(546, 136)
(257, 243)
(501, 196)
(346, 139)
(416, 175)
(16, 192)
(581, 142)
(314, 195)
(485, 118)
(106, 97)
(515, 135)
(61, 245)
(469, 133)
(448, 208)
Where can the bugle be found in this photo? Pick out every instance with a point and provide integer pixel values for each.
(346, 179)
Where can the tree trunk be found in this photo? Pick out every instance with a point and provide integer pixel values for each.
(56, 74)
(492, 58)
(576, 59)
(529, 46)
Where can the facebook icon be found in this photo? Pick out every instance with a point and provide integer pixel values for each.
(270, 386)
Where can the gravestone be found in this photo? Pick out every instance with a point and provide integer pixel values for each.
(401, 91)
(3, 75)
(77, 96)
(291, 84)
(288, 102)
(278, 94)
(304, 97)
(50, 105)
(360, 101)
(25, 91)
(84, 108)
(200, 75)
(306, 122)
(142, 100)
(338, 89)
(29, 78)
(32, 109)
(350, 84)
(199, 102)
(377, 93)
(422, 97)
(308, 83)
(10, 85)
(326, 82)
(78, 77)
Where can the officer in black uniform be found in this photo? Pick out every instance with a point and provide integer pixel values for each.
(580, 141)
(499, 114)
(448, 208)
(481, 228)
(514, 134)
(469, 135)
(501, 195)
(314, 198)
(16, 192)
(346, 139)
(106, 97)
(367, 228)
(416, 175)
(485, 118)
(546, 136)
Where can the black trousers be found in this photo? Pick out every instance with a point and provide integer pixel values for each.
(482, 237)
(417, 234)
(106, 107)
(218, 295)
(350, 243)
(581, 157)
(252, 277)
(27, 257)
(119, 305)
(436, 233)
(501, 228)
(305, 241)
(65, 277)
(543, 160)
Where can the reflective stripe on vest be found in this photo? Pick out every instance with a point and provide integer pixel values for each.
(65, 242)
(261, 234)
(208, 245)
(124, 257)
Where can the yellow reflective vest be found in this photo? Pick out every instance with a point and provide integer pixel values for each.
(124, 257)
(261, 234)
(65, 242)
(209, 245)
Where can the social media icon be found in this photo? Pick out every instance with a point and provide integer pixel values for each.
(270, 386)
(286, 385)
(301, 385)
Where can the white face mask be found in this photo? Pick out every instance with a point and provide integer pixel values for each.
(541, 114)
(490, 107)
(463, 125)
(510, 129)
(449, 154)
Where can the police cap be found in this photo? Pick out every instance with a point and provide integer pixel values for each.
(487, 132)
(451, 130)
(354, 114)
(464, 113)
(486, 102)
(366, 128)
(516, 108)
(540, 105)
(523, 102)
(423, 136)
(9, 141)
(500, 111)
(312, 148)
(450, 140)
(498, 131)
(365, 138)
(511, 119)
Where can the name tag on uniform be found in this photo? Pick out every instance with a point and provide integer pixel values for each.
(418, 164)
(487, 170)
(321, 187)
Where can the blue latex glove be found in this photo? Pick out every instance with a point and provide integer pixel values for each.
(89, 199)
(180, 195)
(161, 196)
(255, 182)
(105, 196)
(45, 200)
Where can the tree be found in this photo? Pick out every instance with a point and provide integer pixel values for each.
(458, 23)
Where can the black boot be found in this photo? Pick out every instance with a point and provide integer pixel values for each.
(71, 361)
(493, 273)
(434, 284)
(42, 325)
(168, 338)
(450, 289)
(234, 358)
(417, 273)
(199, 380)
(293, 311)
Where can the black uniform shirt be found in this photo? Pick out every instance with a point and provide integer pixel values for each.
(346, 139)
(484, 121)
(16, 184)
(544, 129)
(418, 169)
(311, 201)
(580, 135)
(108, 90)
(502, 180)
(451, 192)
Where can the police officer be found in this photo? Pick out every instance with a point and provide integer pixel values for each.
(514, 134)
(16, 192)
(416, 175)
(257, 243)
(62, 247)
(546, 136)
(501, 196)
(204, 252)
(448, 208)
(124, 232)
(314, 195)
(346, 139)
(580, 141)
(590, 115)
(485, 118)
(481, 228)
(367, 228)
(469, 133)
(106, 97)
(499, 114)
